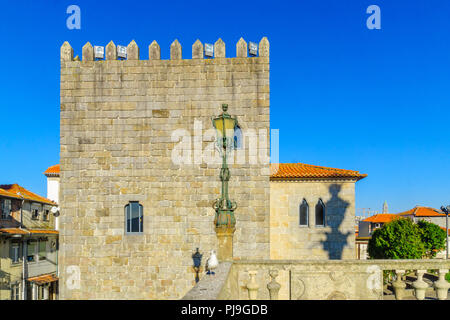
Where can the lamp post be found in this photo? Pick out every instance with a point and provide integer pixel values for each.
(224, 220)
(446, 211)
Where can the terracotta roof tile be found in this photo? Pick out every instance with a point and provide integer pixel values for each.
(28, 231)
(45, 278)
(53, 170)
(14, 231)
(8, 194)
(18, 192)
(382, 218)
(423, 212)
(307, 171)
(43, 231)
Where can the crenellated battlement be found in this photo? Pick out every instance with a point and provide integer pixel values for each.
(154, 51)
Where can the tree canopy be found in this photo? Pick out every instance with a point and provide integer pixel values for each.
(404, 239)
(433, 238)
(398, 239)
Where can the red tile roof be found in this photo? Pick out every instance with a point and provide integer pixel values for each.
(307, 171)
(45, 278)
(18, 192)
(43, 231)
(28, 231)
(53, 170)
(7, 194)
(382, 218)
(423, 212)
(13, 231)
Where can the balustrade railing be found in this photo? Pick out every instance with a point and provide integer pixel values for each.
(336, 279)
(325, 279)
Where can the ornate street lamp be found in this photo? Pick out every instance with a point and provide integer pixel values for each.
(225, 126)
(224, 220)
(446, 211)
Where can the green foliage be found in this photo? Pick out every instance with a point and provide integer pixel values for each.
(398, 239)
(447, 277)
(433, 238)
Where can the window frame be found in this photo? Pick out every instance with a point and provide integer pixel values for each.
(303, 204)
(129, 219)
(322, 204)
(44, 256)
(35, 208)
(14, 246)
(15, 291)
(45, 215)
(5, 213)
(28, 251)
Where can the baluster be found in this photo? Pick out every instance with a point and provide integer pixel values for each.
(252, 286)
(442, 285)
(273, 285)
(419, 285)
(399, 285)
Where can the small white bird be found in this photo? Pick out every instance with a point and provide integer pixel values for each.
(211, 263)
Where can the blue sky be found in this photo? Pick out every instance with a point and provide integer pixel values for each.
(342, 95)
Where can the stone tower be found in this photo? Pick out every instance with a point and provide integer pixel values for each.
(385, 207)
(121, 124)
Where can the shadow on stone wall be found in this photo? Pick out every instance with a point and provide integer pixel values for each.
(335, 210)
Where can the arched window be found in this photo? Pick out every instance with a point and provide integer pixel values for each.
(320, 213)
(134, 217)
(304, 213)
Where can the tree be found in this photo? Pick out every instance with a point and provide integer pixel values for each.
(398, 239)
(433, 238)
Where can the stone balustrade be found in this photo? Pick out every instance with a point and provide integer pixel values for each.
(330, 279)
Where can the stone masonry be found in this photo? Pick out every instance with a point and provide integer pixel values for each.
(289, 240)
(117, 123)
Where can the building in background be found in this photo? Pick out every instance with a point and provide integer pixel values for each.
(365, 229)
(28, 245)
(367, 226)
(425, 213)
(312, 212)
(52, 174)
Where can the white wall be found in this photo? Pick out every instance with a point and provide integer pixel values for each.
(53, 188)
(53, 194)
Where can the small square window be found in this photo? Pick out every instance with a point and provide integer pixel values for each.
(35, 214)
(46, 215)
